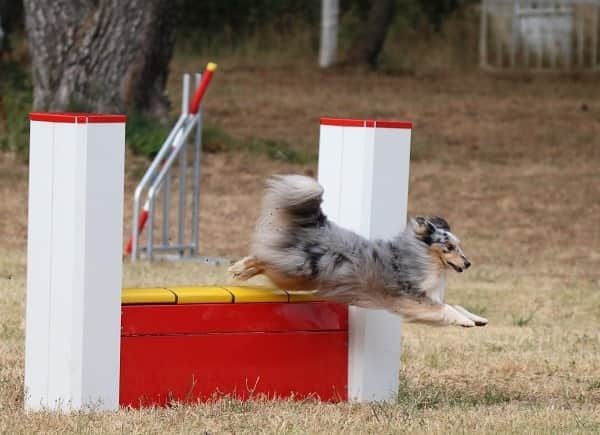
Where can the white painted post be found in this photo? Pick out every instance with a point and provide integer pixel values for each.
(363, 166)
(74, 261)
(329, 32)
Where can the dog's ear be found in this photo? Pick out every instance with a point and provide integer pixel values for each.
(423, 228)
(439, 222)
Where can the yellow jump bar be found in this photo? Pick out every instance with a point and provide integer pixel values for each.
(211, 295)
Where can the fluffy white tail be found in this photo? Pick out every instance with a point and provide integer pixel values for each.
(296, 197)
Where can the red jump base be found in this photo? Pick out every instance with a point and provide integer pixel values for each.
(199, 352)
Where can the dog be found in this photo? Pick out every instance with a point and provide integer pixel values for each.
(298, 248)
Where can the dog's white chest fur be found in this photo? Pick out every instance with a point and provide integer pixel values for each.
(435, 287)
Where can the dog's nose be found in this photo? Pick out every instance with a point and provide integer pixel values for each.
(467, 264)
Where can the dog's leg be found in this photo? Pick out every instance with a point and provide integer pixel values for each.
(448, 315)
(432, 314)
(246, 268)
(479, 321)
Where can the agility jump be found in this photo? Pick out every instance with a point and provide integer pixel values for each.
(91, 344)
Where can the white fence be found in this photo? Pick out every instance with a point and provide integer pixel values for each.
(539, 34)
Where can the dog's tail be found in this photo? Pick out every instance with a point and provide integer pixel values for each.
(291, 204)
(296, 198)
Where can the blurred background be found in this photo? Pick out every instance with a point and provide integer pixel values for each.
(504, 98)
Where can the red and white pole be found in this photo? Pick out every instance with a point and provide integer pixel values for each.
(363, 167)
(204, 82)
(72, 334)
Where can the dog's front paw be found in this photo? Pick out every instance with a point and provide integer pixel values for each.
(481, 321)
(466, 323)
(454, 317)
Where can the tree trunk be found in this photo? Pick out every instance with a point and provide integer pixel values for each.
(1, 35)
(100, 55)
(368, 44)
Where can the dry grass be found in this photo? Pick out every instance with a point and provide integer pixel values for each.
(513, 164)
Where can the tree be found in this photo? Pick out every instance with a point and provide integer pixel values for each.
(1, 35)
(100, 55)
(11, 15)
(367, 46)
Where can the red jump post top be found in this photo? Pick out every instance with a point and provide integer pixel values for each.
(204, 82)
(77, 118)
(372, 123)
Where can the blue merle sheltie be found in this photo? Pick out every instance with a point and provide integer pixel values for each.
(298, 248)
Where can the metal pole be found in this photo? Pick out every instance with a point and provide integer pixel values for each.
(580, 40)
(156, 185)
(594, 36)
(185, 97)
(150, 232)
(135, 240)
(499, 43)
(166, 201)
(182, 199)
(540, 48)
(154, 166)
(185, 103)
(513, 35)
(196, 179)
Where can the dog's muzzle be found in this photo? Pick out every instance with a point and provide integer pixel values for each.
(455, 267)
(460, 269)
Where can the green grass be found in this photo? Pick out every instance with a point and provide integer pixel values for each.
(523, 319)
(144, 136)
(215, 139)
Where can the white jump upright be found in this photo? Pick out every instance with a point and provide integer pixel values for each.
(74, 261)
(364, 167)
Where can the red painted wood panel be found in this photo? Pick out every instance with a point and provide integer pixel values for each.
(214, 318)
(158, 369)
(198, 352)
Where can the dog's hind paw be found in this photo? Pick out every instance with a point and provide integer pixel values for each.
(244, 269)
(237, 273)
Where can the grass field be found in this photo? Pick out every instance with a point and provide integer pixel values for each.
(512, 162)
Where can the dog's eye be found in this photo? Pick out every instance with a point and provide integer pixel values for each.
(450, 248)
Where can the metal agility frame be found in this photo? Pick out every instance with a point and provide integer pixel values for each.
(158, 177)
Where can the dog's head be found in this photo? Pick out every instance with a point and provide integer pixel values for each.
(443, 245)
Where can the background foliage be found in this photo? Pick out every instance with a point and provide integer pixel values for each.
(425, 35)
